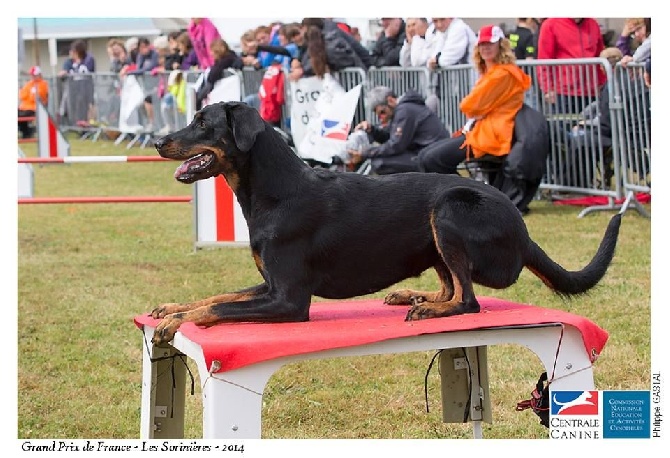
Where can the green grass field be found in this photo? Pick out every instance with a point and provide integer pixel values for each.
(85, 270)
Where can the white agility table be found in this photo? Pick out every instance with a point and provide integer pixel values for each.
(236, 360)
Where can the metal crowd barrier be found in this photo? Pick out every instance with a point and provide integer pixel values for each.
(631, 99)
(107, 103)
(401, 79)
(450, 85)
(582, 160)
(251, 81)
(350, 78)
(91, 105)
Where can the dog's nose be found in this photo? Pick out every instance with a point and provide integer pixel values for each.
(160, 143)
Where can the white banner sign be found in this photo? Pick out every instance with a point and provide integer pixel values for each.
(329, 122)
(304, 94)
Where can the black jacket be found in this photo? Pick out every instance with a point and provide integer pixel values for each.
(522, 41)
(230, 60)
(216, 72)
(413, 127)
(171, 59)
(527, 160)
(525, 165)
(387, 49)
(359, 49)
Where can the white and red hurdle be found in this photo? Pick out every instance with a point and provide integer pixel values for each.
(50, 140)
(89, 159)
(218, 218)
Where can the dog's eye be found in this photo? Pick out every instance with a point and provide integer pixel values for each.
(201, 123)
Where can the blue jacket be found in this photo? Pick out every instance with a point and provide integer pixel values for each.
(265, 59)
(285, 61)
(85, 66)
(146, 63)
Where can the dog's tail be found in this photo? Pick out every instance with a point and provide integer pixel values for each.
(565, 282)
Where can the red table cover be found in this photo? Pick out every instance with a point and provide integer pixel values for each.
(358, 322)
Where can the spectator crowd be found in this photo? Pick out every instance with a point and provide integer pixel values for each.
(409, 136)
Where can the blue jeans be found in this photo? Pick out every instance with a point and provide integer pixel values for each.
(169, 111)
(253, 100)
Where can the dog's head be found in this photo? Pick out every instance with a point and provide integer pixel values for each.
(214, 141)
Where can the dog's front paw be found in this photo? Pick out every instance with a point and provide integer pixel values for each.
(167, 328)
(401, 297)
(419, 312)
(422, 310)
(165, 309)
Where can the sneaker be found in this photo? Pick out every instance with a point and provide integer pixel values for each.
(164, 131)
(149, 127)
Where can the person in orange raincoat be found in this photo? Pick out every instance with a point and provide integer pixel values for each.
(28, 94)
(490, 107)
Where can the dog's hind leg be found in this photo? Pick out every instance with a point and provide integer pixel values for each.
(452, 249)
(410, 296)
(248, 293)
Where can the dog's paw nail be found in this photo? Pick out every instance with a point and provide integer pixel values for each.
(418, 312)
(161, 337)
(158, 342)
(412, 314)
(164, 309)
(415, 300)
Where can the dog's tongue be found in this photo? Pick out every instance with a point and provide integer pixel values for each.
(183, 168)
(187, 164)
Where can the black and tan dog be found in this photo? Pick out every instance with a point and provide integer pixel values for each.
(339, 235)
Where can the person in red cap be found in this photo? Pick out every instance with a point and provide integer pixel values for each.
(28, 94)
(490, 107)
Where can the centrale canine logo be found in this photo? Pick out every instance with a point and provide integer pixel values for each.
(574, 403)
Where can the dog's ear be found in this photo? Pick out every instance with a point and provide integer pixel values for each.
(245, 123)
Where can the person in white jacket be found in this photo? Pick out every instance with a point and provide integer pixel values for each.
(641, 54)
(414, 51)
(453, 43)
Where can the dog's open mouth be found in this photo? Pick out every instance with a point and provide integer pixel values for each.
(194, 166)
